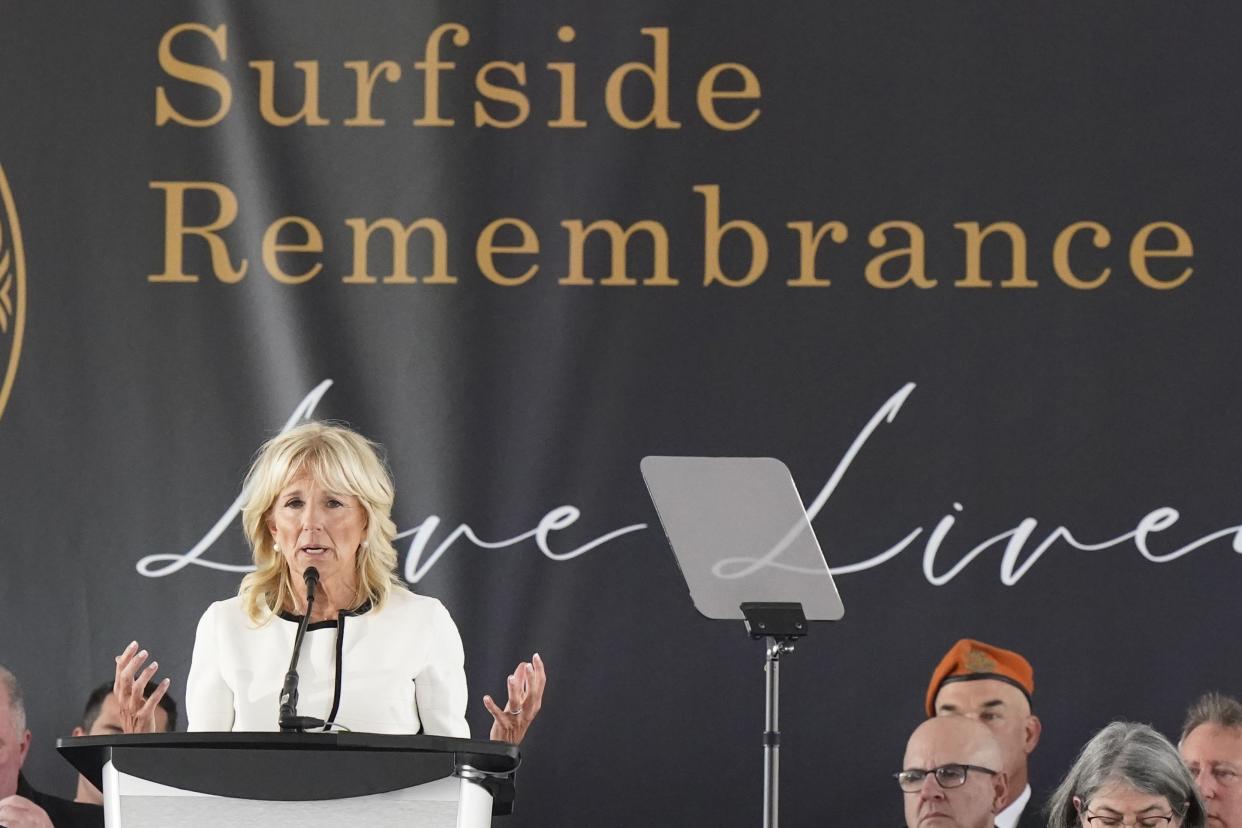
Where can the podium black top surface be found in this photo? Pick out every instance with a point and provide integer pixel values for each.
(286, 766)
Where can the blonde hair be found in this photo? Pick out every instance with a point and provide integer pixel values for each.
(342, 461)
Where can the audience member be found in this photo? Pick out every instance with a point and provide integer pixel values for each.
(21, 806)
(102, 716)
(1128, 774)
(951, 776)
(1211, 747)
(994, 686)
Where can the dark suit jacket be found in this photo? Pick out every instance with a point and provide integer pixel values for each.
(62, 812)
(1032, 816)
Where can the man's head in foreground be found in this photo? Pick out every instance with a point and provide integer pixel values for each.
(14, 737)
(951, 775)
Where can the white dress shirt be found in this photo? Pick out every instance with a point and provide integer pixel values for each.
(395, 670)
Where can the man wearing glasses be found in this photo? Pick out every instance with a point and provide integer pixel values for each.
(994, 686)
(1211, 747)
(951, 776)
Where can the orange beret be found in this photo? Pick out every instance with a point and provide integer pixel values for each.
(969, 659)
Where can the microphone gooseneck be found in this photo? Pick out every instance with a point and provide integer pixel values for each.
(290, 721)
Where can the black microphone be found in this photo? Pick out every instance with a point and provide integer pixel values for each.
(290, 721)
(311, 576)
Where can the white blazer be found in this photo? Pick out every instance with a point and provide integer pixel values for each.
(395, 670)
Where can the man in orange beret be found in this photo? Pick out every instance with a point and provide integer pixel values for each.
(994, 686)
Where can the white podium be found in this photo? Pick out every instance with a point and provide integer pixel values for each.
(296, 779)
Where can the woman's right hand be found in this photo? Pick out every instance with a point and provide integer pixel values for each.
(137, 711)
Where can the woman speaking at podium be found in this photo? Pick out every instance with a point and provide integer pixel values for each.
(375, 657)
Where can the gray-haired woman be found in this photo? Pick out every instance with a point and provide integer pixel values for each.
(1127, 775)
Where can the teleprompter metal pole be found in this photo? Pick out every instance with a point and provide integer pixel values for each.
(781, 624)
(772, 733)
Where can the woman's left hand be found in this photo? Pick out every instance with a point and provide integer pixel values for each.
(525, 687)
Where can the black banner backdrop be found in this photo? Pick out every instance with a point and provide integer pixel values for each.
(971, 270)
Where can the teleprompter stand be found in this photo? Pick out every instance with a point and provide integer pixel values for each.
(747, 551)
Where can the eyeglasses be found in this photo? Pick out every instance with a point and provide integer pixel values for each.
(947, 776)
(1147, 821)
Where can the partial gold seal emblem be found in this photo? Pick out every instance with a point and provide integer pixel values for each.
(977, 661)
(12, 291)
